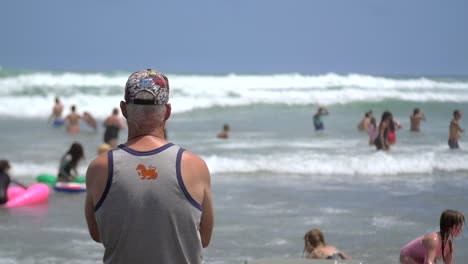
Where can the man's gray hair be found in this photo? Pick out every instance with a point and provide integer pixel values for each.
(145, 118)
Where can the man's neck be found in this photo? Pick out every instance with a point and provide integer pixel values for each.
(158, 133)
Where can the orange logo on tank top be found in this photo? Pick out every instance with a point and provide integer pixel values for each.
(148, 174)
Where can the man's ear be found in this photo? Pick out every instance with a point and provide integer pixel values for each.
(168, 112)
(123, 108)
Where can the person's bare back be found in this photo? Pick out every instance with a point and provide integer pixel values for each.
(73, 120)
(415, 120)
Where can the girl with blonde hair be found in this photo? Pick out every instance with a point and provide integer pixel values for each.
(316, 248)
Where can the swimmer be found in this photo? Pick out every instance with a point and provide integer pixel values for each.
(69, 163)
(90, 120)
(415, 120)
(455, 130)
(57, 111)
(435, 246)
(316, 248)
(373, 130)
(103, 148)
(364, 124)
(73, 125)
(318, 123)
(113, 124)
(381, 141)
(224, 134)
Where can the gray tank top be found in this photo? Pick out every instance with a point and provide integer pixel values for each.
(146, 214)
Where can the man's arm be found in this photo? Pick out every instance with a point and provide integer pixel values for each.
(96, 180)
(197, 180)
(90, 219)
(207, 218)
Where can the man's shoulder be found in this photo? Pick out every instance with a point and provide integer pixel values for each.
(194, 163)
(192, 157)
(98, 163)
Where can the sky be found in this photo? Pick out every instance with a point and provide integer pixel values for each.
(398, 37)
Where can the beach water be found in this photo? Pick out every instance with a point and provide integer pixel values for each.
(272, 180)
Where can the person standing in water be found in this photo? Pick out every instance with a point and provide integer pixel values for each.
(364, 124)
(455, 130)
(318, 123)
(393, 126)
(73, 121)
(316, 248)
(435, 246)
(57, 111)
(373, 130)
(381, 142)
(113, 124)
(415, 120)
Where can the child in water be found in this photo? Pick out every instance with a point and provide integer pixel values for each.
(435, 246)
(315, 247)
(69, 163)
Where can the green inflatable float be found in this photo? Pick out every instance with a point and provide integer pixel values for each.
(52, 179)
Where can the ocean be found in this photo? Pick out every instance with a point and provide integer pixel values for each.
(273, 179)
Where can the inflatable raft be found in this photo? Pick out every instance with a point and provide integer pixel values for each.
(17, 196)
(52, 179)
(72, 187)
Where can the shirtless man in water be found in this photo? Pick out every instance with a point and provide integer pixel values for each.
(455, 130)
(73, 121)
(57, 111)
(415, 120)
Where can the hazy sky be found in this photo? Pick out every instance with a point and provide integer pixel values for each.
(422, 37)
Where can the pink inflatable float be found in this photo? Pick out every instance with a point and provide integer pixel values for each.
(18, 196)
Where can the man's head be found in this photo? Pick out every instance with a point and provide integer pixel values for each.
(146, 104)
(147, 87)
(457, 114)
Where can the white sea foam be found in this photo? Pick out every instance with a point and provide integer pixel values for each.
(31, 94)
(373, 164)
(369, 167)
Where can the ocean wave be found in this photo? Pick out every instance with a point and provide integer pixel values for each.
(360, 167)
(98, 93)
(373, 166)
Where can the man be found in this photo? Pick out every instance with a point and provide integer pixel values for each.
(455, 130)
(415, 120)
(57, 111)
(113, 124)
(149, 201)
